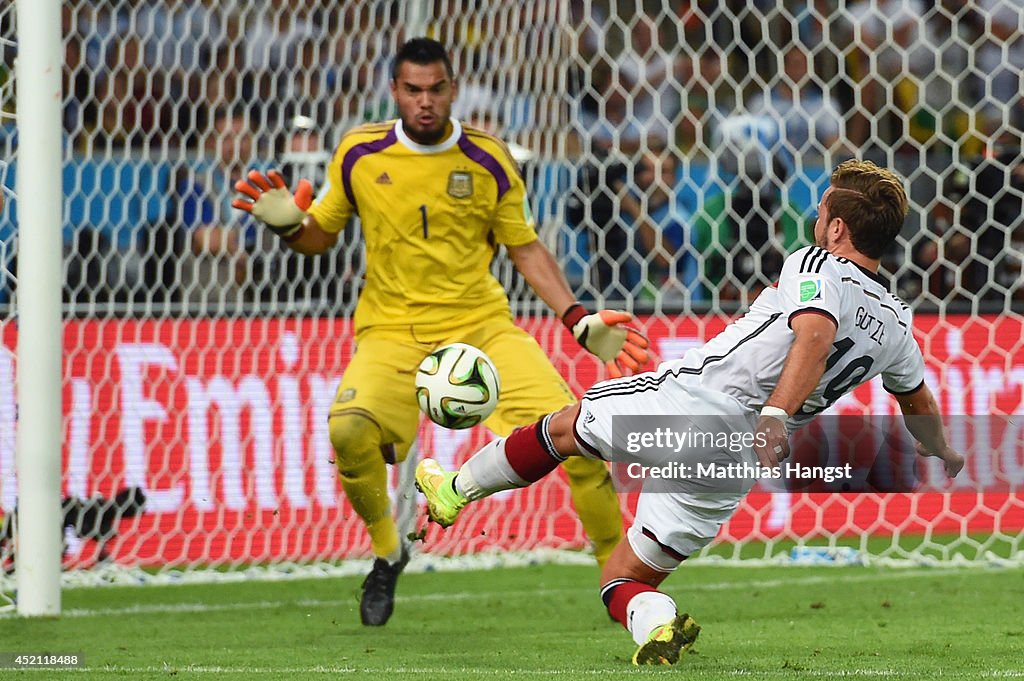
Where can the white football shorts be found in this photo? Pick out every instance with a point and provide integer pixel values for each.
(672, 521)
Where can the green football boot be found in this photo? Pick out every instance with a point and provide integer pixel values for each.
(668, 643)
(443, 501)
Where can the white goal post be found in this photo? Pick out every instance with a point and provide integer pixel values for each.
(674, 151)
(38, 557)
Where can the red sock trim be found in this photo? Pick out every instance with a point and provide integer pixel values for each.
(621, 596)
(526, 453)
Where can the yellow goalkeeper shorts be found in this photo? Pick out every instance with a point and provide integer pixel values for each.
(379, 382)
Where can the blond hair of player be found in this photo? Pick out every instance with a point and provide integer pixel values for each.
(436, 199)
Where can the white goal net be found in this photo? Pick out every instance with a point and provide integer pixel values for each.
(674, 151)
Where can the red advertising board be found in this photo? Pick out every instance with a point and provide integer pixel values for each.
(222, 423)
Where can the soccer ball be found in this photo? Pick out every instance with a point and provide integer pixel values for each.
(457, 386)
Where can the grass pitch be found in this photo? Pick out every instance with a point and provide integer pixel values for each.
(545, 622)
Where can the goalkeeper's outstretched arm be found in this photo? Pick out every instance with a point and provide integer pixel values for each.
(921, 414)
(284, 213)
(604, 333)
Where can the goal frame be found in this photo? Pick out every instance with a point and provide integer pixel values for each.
(39, 539)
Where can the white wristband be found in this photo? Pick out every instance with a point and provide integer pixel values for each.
(775, 412)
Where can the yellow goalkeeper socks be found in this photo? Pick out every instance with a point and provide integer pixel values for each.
(364, 478)
(596, 504)
(384, 539)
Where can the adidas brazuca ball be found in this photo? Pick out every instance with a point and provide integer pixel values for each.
(457, 386)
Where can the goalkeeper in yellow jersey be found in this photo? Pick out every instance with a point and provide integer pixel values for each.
(435, 199)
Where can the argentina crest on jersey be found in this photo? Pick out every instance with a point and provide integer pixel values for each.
(460, 184)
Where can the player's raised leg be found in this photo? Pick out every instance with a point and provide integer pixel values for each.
(531, 388)
(520, 459)
(525, 456)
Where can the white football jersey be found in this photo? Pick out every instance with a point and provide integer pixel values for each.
(874, 335)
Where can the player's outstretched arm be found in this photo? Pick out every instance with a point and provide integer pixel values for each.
(270, 201)
(921, 414)
(602, 333)
(804, 367)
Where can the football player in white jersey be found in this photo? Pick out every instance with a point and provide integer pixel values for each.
(829, 325)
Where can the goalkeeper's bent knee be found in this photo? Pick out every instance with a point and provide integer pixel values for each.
(356, 439)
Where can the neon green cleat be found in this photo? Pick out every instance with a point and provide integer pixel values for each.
(668, 643)
(443, 501)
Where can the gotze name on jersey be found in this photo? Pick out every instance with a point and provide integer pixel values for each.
(874, 336)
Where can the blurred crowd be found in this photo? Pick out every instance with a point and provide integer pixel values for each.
(146, 74)
(773, 93)
(698, 133)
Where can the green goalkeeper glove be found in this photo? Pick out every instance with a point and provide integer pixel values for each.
(272, 203)
(605, 335)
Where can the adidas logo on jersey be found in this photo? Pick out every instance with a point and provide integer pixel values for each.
(383, 178)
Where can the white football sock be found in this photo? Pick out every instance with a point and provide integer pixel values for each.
(488, 471)
(648, 610)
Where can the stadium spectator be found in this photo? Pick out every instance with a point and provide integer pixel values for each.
(786, 372)
(227, 81)
(595, 205)
(745, 231)
(909, 63)
(78, 82)
(311, 89)
(736, 52)
(100, 25)
(980, 226)
(359, 68)
(875, 62)
(216, 263)
(934, 273)
(303, 152)
(808, 120)
(815, 25)
(90, 266)
(709, 98)
(636, 225)
(284, 277)
(651, 73)
(617, 131)
(664, 226)
(430, 286)
(273, 35)
(609, 121)
(590, 20)
(1001, 58)
(132, 111)
(181, 37)
(591, 76)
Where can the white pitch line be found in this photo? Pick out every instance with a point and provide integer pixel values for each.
(444, 672)
(169, 608)
(438, 672)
